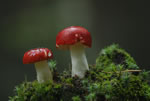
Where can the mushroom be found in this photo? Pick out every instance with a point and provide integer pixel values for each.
(39, 57)
(76, 39)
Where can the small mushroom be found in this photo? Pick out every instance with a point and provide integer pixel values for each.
(76, 39)
(39, 57)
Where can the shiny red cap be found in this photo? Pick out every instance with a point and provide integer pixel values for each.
(72, 35)
(36, 55)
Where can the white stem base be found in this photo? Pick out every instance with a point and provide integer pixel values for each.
(43, 71)
(79, 61)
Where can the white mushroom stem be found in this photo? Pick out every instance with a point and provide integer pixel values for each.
(43, 71)
(79, 61)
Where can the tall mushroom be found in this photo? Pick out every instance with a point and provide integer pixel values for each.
(39, 57)
(76, 39)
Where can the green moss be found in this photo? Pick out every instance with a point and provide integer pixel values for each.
(106, 81)
(34, 91)
(76, 98)
(113, 57)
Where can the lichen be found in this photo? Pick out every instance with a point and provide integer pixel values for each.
(108, 80)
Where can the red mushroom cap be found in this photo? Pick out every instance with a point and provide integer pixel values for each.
(36, 55)
(72, 35)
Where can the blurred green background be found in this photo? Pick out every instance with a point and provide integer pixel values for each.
(27, 24)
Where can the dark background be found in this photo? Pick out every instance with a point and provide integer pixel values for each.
(27, 24)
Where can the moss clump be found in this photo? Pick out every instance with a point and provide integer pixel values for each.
(33, 91)
(108, 80)
(114, 57)
(118, 86)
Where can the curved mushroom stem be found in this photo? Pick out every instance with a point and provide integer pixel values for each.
(43, 71)
(79, 61)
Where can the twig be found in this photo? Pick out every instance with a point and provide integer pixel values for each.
(123, 71)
